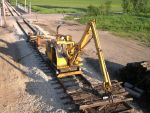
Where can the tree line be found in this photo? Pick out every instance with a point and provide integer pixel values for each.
(136, 6)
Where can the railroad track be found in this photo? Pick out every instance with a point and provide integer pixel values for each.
(80, 93)
(25, 27)
(22, 22)
(12, 10)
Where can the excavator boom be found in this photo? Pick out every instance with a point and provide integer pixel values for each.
(91, 30)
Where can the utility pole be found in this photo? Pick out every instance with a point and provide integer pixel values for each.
(0, 18)
(25, 2)
(16, 3)
(30, 8)
(3, 13)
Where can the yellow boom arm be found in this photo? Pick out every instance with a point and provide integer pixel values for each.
(91, 30)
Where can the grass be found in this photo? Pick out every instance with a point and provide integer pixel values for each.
(123, 25)
(67, 6)
(55, 9)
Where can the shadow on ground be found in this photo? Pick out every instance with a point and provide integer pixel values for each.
(61, 7)
(11, 47)
(92, 65)
(37, 86)
(11, 50)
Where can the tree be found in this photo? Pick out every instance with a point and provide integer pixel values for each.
(127, 6)
(134, 6)
(108, 6)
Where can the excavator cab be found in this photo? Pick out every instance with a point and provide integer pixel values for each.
(58, 51)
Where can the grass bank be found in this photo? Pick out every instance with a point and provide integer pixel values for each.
(67, 6)
(135, 27)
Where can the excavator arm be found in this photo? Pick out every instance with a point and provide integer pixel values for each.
(90, 33)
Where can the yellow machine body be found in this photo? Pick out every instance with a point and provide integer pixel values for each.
(57, 52)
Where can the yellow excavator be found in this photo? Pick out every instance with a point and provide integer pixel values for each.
(64, 54)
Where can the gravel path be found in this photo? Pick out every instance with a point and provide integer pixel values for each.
(24, 87)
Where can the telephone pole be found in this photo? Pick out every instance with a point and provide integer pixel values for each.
(16, 3)
(25, 3)
(3, 13)
(30, 8)
(0, 18)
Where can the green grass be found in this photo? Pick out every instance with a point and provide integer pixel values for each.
(68, 6)
(51, 10)
(123, 25)
(126, 26)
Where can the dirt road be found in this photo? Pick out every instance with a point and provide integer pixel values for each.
(116, 49)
